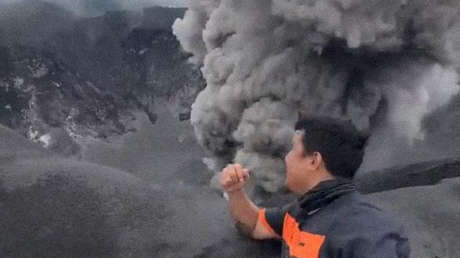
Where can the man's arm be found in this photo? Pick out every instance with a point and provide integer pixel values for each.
(245, 213)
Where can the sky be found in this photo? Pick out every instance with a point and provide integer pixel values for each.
(96, 7)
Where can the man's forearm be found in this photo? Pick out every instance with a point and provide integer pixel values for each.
(243, 211)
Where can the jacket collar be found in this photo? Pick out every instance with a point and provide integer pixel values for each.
(325, 193)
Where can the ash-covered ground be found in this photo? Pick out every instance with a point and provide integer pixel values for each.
(148, 195)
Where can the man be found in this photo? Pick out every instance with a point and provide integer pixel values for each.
(330, 219)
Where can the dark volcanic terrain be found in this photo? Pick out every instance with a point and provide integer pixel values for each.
(61, 75)
(163, 206)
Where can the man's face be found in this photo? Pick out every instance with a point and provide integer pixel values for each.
(296, 160)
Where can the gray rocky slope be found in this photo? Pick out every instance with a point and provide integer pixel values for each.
(149, 196)
(62, 75)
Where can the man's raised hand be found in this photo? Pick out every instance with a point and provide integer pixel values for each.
(233, 178)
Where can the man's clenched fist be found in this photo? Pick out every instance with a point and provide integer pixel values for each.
(233, 178)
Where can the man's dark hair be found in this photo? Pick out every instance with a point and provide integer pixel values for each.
(340, 144)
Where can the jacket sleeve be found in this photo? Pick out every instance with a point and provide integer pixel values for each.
(272, 219)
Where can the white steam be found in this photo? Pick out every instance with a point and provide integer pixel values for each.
(268, 63)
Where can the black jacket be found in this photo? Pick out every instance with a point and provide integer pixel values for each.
(333, 220)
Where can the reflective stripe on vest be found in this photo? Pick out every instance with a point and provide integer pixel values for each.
(301, 244)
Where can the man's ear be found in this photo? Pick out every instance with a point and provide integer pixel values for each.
(316, 160)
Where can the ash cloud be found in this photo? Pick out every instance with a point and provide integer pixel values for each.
(384, 65)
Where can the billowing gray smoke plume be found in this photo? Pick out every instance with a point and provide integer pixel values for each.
(382, 64)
